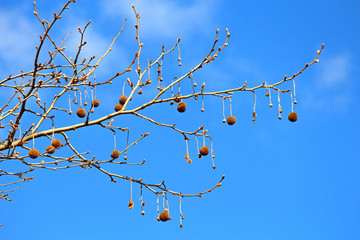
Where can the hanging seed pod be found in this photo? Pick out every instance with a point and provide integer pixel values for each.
(95, 103)
(122, 100)
(34, 153)
(231, 120)
(181, 107)
(115, 154)
(204, 150)
(50, 149)
(81, 113)
(143, 212)
(177, 99)
(131, 204)
(143, 204)
(189, 160)
(118, 107)
(293, 117)
(164, 216)
(56, 143)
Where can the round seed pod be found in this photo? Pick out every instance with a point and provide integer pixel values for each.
(122, 100)
(118, 107)
(189, 160)
(204, 150)
(81, 113)
(143, 213)
(34, 153)
(131, 204)
(115, 154)
(95, 103)
(181, 107)
(56, 143)
(164, 216)
(50, 149)
(293, 117)
(231, 120)
(143, 204)
(176, 98)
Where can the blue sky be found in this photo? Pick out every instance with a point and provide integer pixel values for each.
(283, 180)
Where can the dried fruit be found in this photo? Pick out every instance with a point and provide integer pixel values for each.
(95, 103)
(181, 107)
(164, 216)
(122, 100)
(56, 143)
(50, 149)
(81, 113)
(231, 120)
(293, 117)
(34, 153)
(131, 204)
(118, 107)
(115, 154)
(204, 150)
(176, 98)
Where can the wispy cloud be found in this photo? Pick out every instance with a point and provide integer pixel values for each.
(164, 18)
(17, 41)
(335, 70)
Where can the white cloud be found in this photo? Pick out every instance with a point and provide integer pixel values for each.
(335, 70)
(164, 18)
(17, 42)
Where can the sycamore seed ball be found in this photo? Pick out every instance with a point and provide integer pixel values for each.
(34, 153)
(204, 150)
(95, 103)
(118, 107)
(115, 154)
(56, 143)
(231, 120)
(176, 98)
(131, 204)
(81, 113)
(181, 107)
(293, 117)
(122, 100)
(50, 149)
(164, 216)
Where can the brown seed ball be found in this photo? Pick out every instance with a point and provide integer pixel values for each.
(231, 120)
(143, 213)
(81, 113)
(122, 100)
(176, 98)
(293, 117)
(115, 154)
(56, 143)
(50, 149)
(131, 204)
(189, 161)
(34, 153)
(164, 216)
(95, 103)
(143, 204)
(118, 107)
(181, 107)
(204, 150)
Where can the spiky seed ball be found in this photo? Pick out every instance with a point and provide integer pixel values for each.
(50, 149)
(95, 103)
(115, 154)
(204, 150)
(34, 153)
(131, 204)
(164, 216)
(231, 120)
(56, 143)
(118, 107)
(176, 98)
(292, 117)
(81, 113)
(122, 100)
(181, 107)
